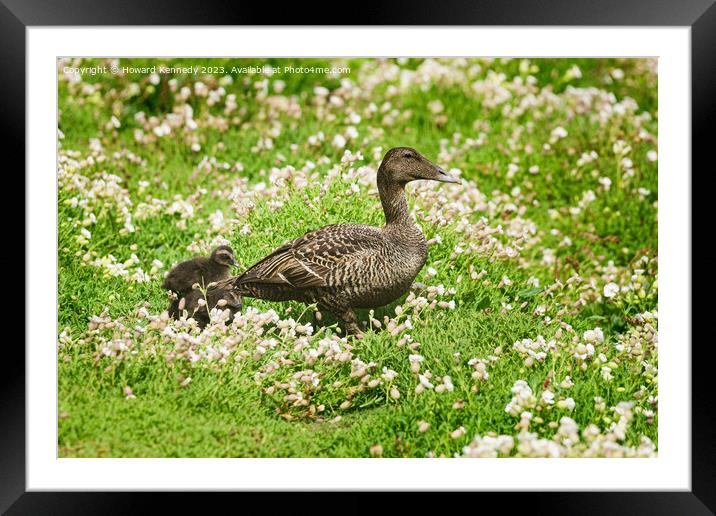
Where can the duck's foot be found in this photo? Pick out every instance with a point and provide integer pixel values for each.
(354, 329)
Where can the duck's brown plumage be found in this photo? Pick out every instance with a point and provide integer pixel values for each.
(346, 266)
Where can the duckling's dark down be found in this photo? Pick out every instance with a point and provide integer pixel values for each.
(346, 266)
(222, 297)
(201, 270)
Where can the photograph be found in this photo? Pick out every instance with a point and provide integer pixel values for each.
(357, 257)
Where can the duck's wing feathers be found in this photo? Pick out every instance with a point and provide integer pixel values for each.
(309, 261)
(288, 267)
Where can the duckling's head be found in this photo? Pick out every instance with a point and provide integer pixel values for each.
(403, 164)
(223, 255)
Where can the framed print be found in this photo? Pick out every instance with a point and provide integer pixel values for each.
(272, 259)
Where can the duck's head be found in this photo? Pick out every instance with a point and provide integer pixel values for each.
(403, 164)
(223, 255)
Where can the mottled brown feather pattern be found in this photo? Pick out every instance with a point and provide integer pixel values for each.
(345, 266)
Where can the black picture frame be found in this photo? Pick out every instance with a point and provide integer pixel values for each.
(700, 15)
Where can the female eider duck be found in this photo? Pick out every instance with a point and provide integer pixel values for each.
(346, 266)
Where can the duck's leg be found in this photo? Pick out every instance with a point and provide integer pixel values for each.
(348, 316)
(173, 305)
(174, 311)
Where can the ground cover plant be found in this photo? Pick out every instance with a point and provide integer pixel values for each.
(532, 333)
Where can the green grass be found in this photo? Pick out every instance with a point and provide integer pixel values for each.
(226, 409)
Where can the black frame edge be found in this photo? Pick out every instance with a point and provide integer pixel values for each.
(560, 503)
(12, 381)
(699, 14)
(703, 118)
(371, 12)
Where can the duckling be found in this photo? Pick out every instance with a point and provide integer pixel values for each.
(201, 270)
(342, 267)
(198, 305)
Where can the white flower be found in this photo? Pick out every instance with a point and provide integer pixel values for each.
(425, 382)
(567, 383)
(447, 381)
(559, 132)
(456, 434)
(599, 404)
(573, 73)
(523, 398)
(595, 336)
(321, 91)
(488, 446)
(548, 257)
(435, 106)
(611, 290)
(548, 397)
(568, 404)
(606, 373)
(339, 141)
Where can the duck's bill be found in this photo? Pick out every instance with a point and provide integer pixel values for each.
(444, 177)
